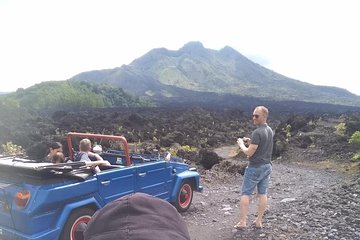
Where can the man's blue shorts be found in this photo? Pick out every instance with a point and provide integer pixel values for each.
(256, 177)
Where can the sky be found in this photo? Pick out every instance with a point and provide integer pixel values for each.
(314, 41)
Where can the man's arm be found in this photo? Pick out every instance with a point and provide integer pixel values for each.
(95, 155)
(85, 158)
(97, 163)
(249, 151)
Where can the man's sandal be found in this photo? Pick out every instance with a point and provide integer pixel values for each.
(238, 226)
(260, 226)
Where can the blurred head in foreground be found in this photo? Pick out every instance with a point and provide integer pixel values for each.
(137, 216)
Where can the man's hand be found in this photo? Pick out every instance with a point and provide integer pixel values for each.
(248, 150)
(247, 141)
(241, 144)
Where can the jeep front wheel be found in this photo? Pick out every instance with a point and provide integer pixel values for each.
(184, 196)
(76, 224)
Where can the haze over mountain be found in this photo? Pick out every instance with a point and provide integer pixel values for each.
(193, 70)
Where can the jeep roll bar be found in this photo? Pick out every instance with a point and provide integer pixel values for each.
(122, 139)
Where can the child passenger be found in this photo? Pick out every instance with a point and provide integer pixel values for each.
(85, 155)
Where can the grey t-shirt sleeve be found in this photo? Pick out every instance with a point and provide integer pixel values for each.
(255, 138)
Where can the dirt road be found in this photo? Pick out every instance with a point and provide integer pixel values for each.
(304, 203)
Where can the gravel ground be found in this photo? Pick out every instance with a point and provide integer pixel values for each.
(304, 203)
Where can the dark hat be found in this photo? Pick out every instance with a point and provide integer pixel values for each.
(55, 145)
(137, 216)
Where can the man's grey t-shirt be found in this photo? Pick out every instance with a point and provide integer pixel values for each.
(263, 137)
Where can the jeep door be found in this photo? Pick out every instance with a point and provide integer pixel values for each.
(115, 183)
(154, 178)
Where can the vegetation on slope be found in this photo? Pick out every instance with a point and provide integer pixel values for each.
(70, 95)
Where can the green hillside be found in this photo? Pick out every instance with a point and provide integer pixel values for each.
(70, 95)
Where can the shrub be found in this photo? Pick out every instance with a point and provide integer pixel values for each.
(287, 131)
(12, 149)
(340, 129)
(187, 148)
(355, 137)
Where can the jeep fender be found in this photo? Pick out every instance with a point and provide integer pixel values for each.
(91, 201)
(192, 176)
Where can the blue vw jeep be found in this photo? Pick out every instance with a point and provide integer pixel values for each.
(54, 201)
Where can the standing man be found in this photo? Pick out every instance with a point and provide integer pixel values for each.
(258, 149)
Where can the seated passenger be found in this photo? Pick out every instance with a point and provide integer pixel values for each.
(97, 149)
(85, 155)
(58, 158)
(54, 148)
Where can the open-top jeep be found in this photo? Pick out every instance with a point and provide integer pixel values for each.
(41, 200)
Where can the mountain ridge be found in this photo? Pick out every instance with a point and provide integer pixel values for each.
(160, 73)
